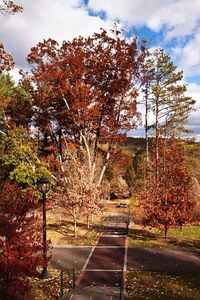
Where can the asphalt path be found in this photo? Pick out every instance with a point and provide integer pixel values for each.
(164, 260)
(103, 266)
(139, 259)
(67, 257)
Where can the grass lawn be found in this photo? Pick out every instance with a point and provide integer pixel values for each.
(153, 286)
(60, 229)
(189, 236)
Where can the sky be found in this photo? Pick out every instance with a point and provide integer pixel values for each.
(171, 24)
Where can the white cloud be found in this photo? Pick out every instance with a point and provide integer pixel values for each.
(179, 17)
(41, 19)
(15, 74)
(193, 90)
(132, 12)
(189, 56)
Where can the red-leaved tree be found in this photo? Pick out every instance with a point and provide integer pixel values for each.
(85, 91)
(6, 60)
(168, 203)
(20, 241)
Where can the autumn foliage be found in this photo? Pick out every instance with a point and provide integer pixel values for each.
(86, 84)
(167, 201)
(84, 91)
(8, 7)
(6, 60)
(20, 242)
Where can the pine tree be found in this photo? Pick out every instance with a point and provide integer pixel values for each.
(165, 98)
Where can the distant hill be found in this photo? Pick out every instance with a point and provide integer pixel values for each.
(138, 143)
(135, 144)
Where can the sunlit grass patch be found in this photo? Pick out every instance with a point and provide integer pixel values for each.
(187, 232)
(153, 286)
(188, 236)
(60, 229)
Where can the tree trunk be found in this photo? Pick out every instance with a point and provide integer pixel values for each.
(165, 231)
(92, 217)
(104, 168)
(75, 228)
(75, 223)
(157, 140)
(60, 216)
(146, 136)
(88, 222)
(60, 143)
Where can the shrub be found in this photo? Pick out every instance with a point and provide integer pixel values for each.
(20, 242)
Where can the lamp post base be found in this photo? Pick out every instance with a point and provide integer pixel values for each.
(45, 274)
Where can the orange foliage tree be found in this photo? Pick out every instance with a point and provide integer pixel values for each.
(85, 91)
(169, 203)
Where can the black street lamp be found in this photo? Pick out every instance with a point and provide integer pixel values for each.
(44, 185)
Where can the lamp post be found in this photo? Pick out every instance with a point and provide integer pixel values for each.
(44, 185)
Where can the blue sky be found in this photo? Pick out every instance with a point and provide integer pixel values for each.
(171, 24)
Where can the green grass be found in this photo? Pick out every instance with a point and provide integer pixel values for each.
(147, 237)
(192, 232)
(153, 286)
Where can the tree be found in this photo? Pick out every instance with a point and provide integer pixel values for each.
(6, 60)
(168, 203)
(9, 8)
(165, 97)
(192, 150)
(19, 159)
(75, 192)
(16, 107)
(20, 242)
(85, 92)
(195, 193)
(119, 188)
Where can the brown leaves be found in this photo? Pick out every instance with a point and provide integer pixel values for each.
(9, 8)
(6, 60)
(88, 83)
(167, 201)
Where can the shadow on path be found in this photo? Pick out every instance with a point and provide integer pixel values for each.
(164, 260)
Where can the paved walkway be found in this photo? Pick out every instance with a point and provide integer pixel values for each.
(104, 265)
(138, 259)
(169, 260)
(103, 272)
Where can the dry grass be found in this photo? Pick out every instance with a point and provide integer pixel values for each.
(49, 289)
(44, 289)
(60, 229)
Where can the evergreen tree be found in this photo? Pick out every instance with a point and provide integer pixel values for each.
(165, 98)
